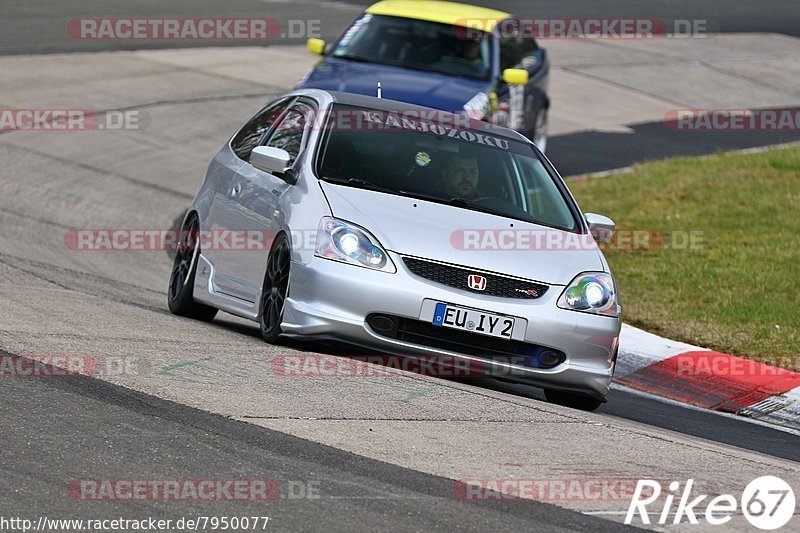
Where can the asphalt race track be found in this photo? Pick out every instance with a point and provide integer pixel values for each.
(38, 27)
(173, 398)
(602, 149)
(147, 437)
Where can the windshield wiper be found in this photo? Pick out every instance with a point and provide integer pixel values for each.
(469, 204)
(457, 202)
(424, 67)
(466, 203)
(361, 184)
(411, 66)
(365, 59)
(518, 212)
(360, 59)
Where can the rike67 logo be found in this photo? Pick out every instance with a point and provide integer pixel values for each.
(767, 502)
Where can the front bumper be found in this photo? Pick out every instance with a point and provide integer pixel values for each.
(328, 299)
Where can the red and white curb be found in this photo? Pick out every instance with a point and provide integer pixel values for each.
(709, 379)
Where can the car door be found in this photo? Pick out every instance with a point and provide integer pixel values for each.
(259, 215)
(223, 214)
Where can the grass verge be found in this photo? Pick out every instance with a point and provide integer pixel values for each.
(736, 288)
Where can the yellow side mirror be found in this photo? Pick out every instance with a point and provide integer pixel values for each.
(316, 46)
(515, 76)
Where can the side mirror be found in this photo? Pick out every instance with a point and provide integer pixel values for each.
(515, 76)
(316, 46)
(601, 228)
(269, 159)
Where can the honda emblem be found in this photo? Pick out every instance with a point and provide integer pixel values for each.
(476, 282)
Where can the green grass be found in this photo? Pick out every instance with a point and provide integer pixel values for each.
(739, 292)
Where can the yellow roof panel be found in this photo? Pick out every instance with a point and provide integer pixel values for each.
(453, 13)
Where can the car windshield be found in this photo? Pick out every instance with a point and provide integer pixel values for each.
(417, 44)
(437, 157)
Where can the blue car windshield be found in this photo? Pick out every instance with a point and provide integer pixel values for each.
(443, 158)
(417, 44)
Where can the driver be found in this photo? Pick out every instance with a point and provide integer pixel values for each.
(466, 59)
(460, 175)
(471, 52)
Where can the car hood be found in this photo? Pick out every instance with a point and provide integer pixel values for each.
(429, 89)
(409, 226)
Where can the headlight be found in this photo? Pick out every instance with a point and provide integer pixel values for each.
(341, 241)
(591, 293)
(478, 106)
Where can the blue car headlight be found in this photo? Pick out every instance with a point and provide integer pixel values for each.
(592, 292)
(345, 242)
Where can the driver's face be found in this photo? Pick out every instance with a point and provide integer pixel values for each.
(461, 177)
(472, 50)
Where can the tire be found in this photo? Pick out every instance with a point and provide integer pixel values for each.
(572, 399)
(539, 131)
(536, 129)
(275, 290)
(181, 280)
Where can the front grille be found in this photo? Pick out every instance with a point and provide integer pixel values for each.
(456, 276)
(426, 334)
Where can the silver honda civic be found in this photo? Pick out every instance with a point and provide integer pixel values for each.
(406, 230)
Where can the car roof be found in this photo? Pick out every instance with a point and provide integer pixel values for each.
(384, 104)
(464, 15)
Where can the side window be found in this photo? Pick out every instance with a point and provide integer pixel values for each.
(528, 46)
(251, 133)
(515, 44)
(290, 133)
(510, 54)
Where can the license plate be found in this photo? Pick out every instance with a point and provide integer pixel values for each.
(451, 316)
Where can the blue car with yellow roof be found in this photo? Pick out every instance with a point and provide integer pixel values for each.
(455, 57)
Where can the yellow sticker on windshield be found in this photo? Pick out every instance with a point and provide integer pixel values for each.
(423, 159)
